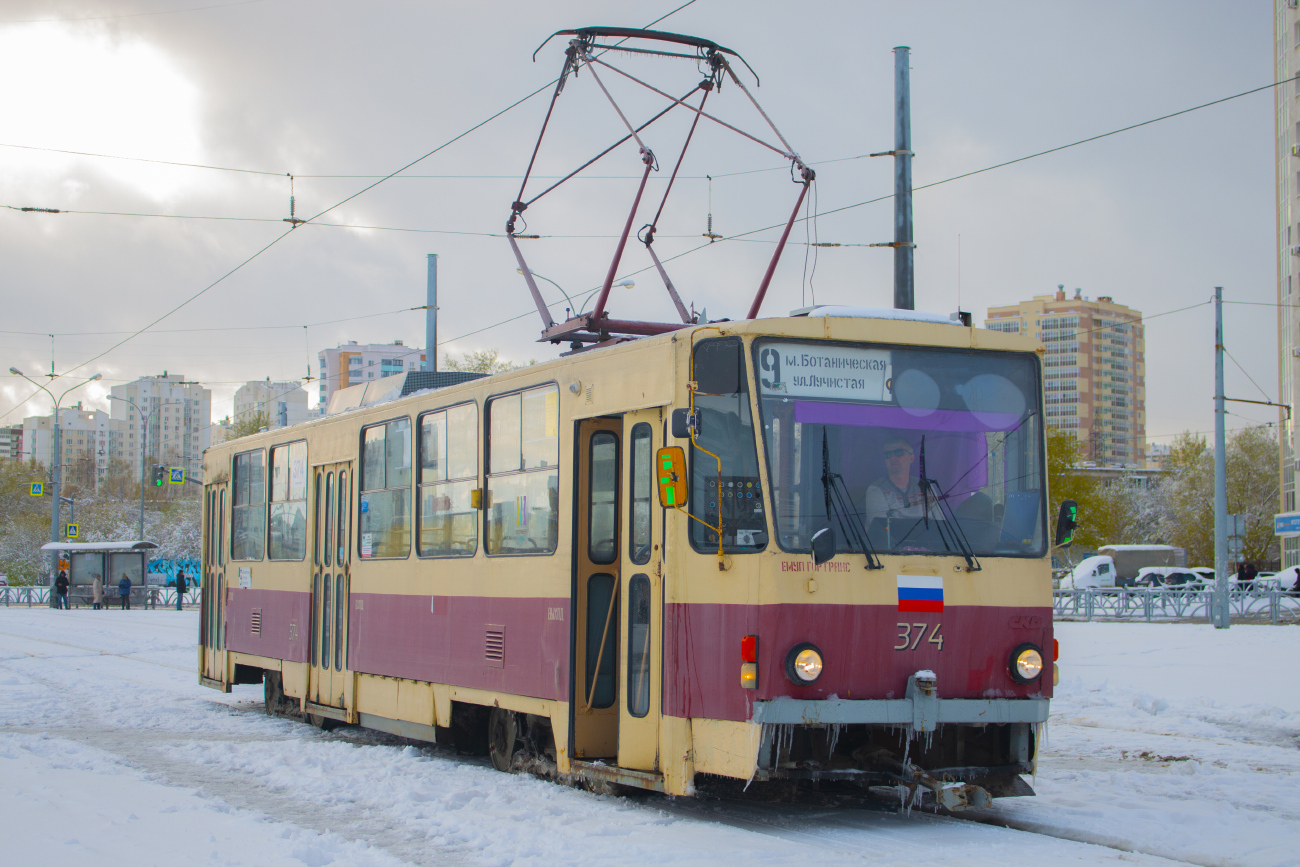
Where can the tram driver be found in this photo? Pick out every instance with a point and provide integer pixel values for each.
(897, 494)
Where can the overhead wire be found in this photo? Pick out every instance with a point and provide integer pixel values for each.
(286, 233)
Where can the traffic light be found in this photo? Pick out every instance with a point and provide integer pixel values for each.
(1066, 522)
(159, 475)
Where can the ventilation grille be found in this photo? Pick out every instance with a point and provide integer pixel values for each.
(494, 646)
(255, 623)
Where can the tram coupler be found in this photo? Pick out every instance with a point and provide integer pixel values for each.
(949, 794)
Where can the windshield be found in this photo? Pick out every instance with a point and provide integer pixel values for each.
(919, 449)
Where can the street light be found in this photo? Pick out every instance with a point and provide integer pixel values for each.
(55, 464)
(144, 434)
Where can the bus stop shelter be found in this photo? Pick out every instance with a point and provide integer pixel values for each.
(110, 561)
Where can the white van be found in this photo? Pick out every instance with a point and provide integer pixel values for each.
(1091, 573)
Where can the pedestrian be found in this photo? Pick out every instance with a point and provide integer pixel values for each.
(61, 588)
(181, 586)
(124, 590)
(97, 592)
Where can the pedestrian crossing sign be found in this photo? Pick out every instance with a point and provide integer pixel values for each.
(73, 530)
(178, 476)
(38, 489)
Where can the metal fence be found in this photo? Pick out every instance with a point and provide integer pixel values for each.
(1156, 604)
(141, 597)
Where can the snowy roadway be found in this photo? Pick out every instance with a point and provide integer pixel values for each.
(1168, 743)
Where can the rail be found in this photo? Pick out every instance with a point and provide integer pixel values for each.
(79, 597)
(1167, 604)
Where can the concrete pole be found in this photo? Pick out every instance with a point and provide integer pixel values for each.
(1221, 611)
(431, 317)
(904, 278)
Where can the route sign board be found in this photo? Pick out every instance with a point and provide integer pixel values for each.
(38, 489)
(177, 476)
(72, 531)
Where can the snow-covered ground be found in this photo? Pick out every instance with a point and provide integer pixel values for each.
(1168, 742)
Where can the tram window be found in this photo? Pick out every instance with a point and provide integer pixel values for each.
(639, 494)
(315, 621)
(602, 534)
(523, 484)
(385, 524)
(287, 539)
(317, 525)
(448, 522)
(221, 529)
(344, 509)
(248, 523)
(602, 640)
(325, 622)
(726, 430)
(339, 608)
(638, 646)
(968, 422)
(328, 531)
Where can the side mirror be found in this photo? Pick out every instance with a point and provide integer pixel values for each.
(670, 470)
(1065, 523)
(823, 545)
(683, 422)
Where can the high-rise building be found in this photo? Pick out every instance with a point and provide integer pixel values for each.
(11, 443)
(1094, 370)
(1286, 60)
(172, 424)
(354, 364)
(85, 442)
(284, 403)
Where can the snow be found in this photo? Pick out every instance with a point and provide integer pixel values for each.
(1167, 741)
(875, 313)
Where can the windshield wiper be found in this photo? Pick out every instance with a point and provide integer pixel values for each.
(950, 530)
(839, 502)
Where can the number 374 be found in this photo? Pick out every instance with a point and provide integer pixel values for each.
(911, 634)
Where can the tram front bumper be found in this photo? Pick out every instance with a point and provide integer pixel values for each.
(921, 710)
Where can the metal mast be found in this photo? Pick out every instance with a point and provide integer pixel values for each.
(431, 317)
(904, 278)
(1221, 612)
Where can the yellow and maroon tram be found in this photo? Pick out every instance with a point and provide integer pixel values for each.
(797, 548)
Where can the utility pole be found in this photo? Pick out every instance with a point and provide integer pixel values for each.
(431, 317)
(1222, 613)
(904, 282)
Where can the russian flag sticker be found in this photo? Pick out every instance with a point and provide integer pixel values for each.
(920, 593)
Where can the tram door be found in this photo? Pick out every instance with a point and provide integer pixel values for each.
(330, 582)
(213, 584)
(641, 551)
(597, 594)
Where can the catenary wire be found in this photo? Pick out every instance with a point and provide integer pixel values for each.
(285, 234)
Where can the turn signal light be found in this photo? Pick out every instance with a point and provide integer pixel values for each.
(749, 648)
(749, 662)
(749, 675)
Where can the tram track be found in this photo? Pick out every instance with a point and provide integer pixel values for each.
(92, 651)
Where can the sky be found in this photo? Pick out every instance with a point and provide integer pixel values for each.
(341, 95)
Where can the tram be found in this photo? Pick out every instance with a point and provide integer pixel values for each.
(812, 547)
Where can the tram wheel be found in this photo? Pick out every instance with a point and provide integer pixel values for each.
(502, 734)
(321, 722)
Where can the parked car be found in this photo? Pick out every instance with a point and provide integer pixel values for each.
(1167, 576)
(1091, 573)
(1288, 580)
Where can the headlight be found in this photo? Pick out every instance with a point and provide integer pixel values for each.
(803, 664)
(1026, 663)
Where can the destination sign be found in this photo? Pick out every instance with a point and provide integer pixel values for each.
(822, 371)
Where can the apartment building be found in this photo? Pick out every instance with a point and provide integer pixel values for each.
(356, 364)
(285, 403)
(161, 420)
(1094, 370)
(11, 443)
(85, 446)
